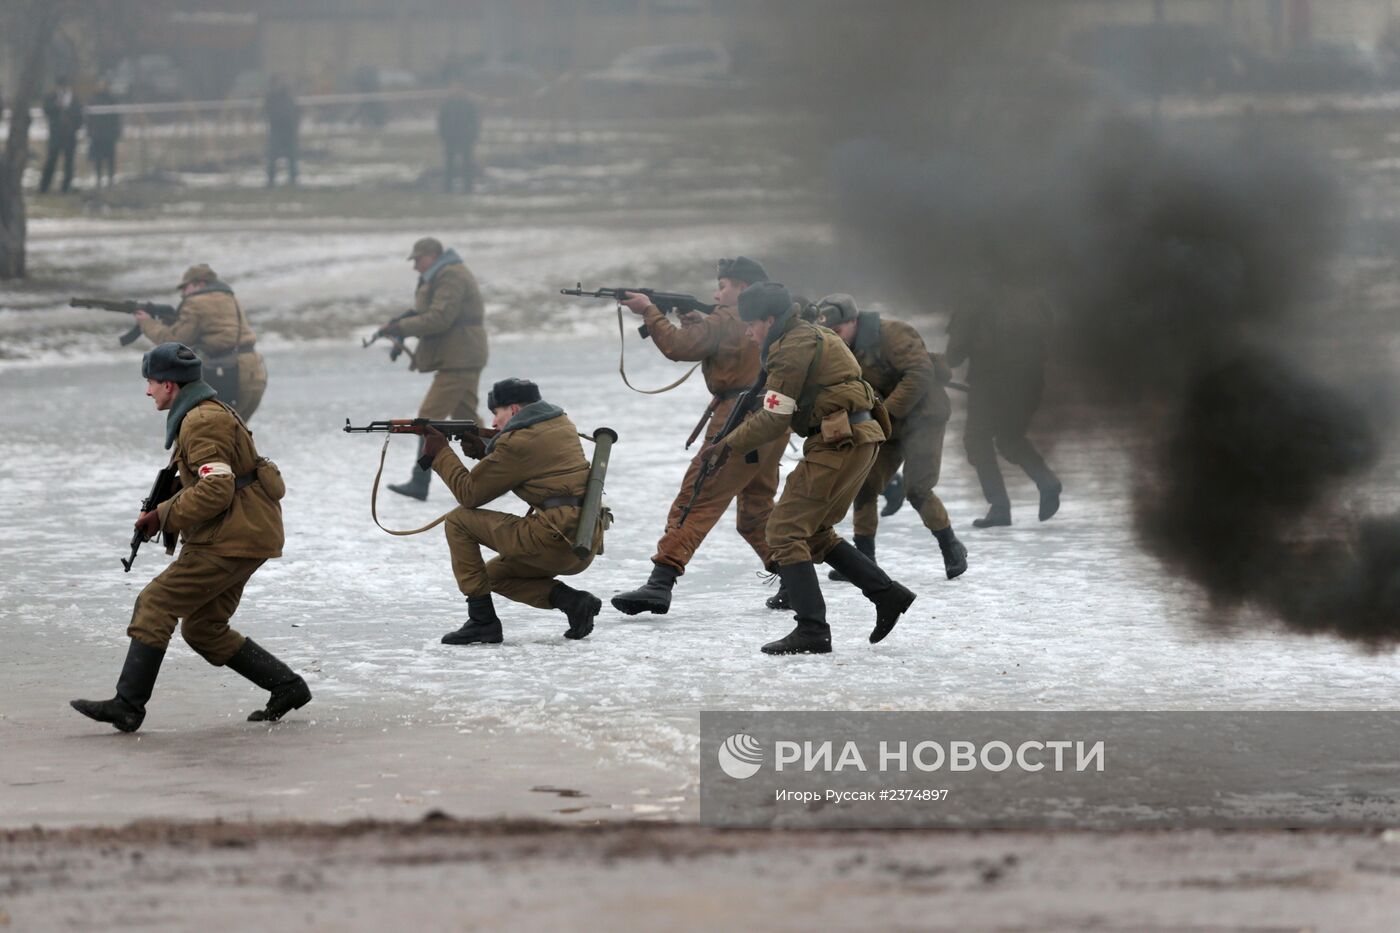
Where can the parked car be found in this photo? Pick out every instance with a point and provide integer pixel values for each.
(693, 65)
(1164, 57)
(144, 78)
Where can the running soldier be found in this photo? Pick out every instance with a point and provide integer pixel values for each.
(226, 512)
(894, 360)
(729, 361)
(813, 388)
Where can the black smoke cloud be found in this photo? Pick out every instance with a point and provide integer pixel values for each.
(1183, 268)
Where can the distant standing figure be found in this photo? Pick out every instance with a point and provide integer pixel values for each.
(1005, 347)
(104, 129)
(458, 125)
(64, 113)
(283, 123)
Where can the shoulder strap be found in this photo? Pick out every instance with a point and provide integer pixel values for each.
(809, 386)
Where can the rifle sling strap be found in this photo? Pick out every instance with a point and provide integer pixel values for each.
(374, 500)
(622, 363)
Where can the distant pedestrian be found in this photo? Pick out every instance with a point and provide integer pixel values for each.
(283, 124)
(104, 129)
(64, 113)
(458, 126)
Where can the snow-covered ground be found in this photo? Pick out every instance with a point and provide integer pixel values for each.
(1061, 615)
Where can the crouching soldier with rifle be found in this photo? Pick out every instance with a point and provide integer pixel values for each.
(226, 512)
(537, 456)
(813, 387)
(210, 319)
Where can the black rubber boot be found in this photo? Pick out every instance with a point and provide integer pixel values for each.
(812, 635)
(580, 606)
(483, 626)
(891, 599)
(779, 600)
(417, 487)
(866, 545)
(652, 596)
(954, 553)
(288, 690)
(127, 709)
(998, 516)
(894, 496)
(1050, 491)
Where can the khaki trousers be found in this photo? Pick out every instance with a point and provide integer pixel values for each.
(754, 484)
(919, 447)
(204, 590)
(815, 498)
(453, 394)
(530, 553)
(252, 383)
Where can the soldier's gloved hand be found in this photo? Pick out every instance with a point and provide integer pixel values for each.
(712, 451)
(635, 302)
(434, 442)
(473, 446)
(391, 329)
(691, 317)
(148, 524)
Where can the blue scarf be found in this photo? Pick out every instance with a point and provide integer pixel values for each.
(190, 395)
(449, 258)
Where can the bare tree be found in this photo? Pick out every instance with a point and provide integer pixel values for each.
(29, 26)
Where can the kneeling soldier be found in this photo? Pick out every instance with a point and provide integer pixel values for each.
(537, 456)
(814, 387)
(227, 515)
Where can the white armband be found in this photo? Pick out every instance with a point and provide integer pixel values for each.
(778, 403)
(215, 469)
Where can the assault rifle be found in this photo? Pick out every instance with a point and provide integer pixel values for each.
(745, 404)
(163, 488)
(452, 430)
(666, 302)
(400, 347)
(164, 313)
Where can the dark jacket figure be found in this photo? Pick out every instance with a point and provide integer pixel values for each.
(458, 126)
(1005, 348)
(104, 129)
(64, 113)
(283, 123)
(228, 516)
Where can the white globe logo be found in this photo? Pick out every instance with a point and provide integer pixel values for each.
(740, 756)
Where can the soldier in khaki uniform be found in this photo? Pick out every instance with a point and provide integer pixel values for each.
(814, 387)
(537, 456)
(226, 513)
(449, 321)
(729, 362)
(894, 360)
(210, 320)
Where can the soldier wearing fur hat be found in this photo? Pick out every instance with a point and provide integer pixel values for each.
(449, 321)
(814, 388)
(537, 456)
(211, 322)
(227, 516)
(729, 363)
(894, 360)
